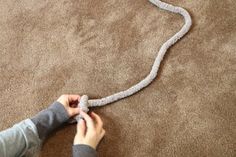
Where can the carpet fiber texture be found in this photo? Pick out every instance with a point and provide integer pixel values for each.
(93, 47)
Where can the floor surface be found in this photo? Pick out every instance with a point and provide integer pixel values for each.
(98, 47)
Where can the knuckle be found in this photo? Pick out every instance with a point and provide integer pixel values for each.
(63, 96)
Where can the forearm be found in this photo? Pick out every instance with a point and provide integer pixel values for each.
(50, 119)
(19, 140)
(26, 137)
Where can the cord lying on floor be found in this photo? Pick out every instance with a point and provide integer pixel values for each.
(85, 102)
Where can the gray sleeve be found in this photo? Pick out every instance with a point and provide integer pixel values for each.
(82, 150)
(20, 140)
(49, 119)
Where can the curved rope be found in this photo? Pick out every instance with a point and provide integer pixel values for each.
(153, 73)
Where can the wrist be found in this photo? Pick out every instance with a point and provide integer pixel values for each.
(86, 143)
(83, 150)
(59, 111)
(49, 119)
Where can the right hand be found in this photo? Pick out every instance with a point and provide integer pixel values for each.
(90, 132)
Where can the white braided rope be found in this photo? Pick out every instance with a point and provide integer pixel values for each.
(153, 73)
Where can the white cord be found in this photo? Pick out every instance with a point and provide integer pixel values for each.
(153, 73)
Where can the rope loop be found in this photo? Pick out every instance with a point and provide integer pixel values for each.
(83, 103)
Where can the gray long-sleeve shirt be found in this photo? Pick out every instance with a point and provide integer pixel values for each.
(25, 138)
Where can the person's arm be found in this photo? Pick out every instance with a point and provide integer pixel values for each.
(88, 135)
(85, 142)
(26, 137)
(50, 119)
(19, 140)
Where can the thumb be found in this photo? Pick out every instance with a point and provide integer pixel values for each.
(74, 111)
(81, 127)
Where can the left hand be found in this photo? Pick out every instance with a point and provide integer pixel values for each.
(70, 103)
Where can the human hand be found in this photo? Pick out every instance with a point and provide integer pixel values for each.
(89, 131)
(70, 103)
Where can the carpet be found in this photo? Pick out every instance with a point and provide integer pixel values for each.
(93, 47)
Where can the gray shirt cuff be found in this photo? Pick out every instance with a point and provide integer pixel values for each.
(49, 119)
(82, 150)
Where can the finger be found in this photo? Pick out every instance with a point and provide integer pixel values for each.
(103, 133)
(73, 98)
(89, 120)
(99, 123)
(81, 128)
(74, 111)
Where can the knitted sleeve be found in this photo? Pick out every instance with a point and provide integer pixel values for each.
(25, 138)
(21, 139)
(82, 150)
(50, 119)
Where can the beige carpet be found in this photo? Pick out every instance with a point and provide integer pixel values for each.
(99, 47)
